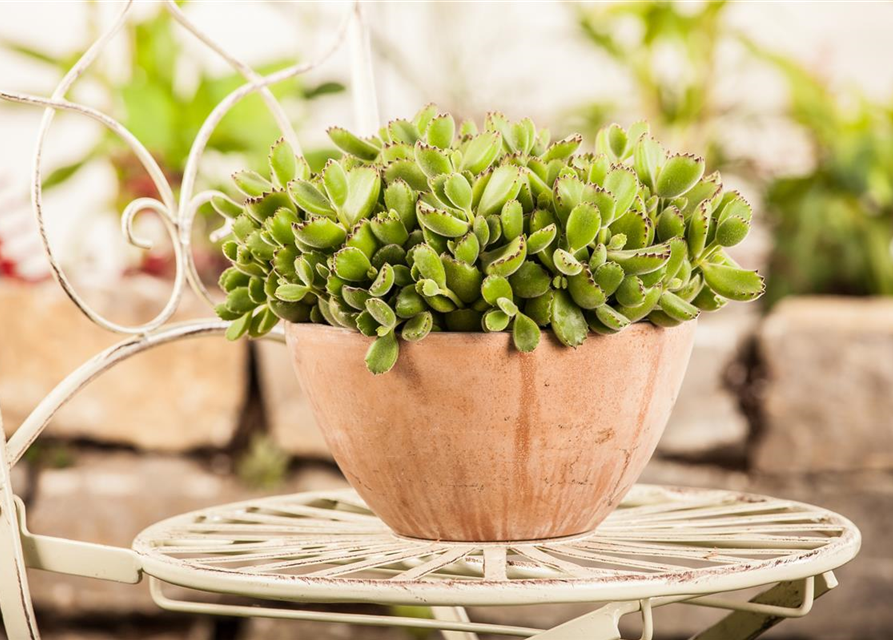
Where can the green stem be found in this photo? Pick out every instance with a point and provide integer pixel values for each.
(453, 297)
(708, 253)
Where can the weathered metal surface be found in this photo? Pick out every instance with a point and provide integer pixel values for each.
(328, 546)
(15, 597)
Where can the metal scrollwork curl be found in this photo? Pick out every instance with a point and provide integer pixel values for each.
(177, 215)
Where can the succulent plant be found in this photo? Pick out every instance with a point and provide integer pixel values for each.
(433, 227)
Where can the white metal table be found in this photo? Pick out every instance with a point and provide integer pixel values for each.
(662, 546)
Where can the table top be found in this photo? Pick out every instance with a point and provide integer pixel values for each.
(661, 541)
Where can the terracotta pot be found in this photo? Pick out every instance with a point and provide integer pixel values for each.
(468, 439)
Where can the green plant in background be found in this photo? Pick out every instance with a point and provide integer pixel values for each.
(425, 228)
(639, 37)
(833, 225)
(167, 120)
(264, 465)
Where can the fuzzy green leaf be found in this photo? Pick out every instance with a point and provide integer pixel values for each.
(584, 290)
(251, 183)
(364, 185)
(382, 354)
(321, 233)
(631, 292)
(512, 219)
(679, 174)
(352, 264)
(611, 318)
(382, 312)
(568, 321)
(698, 227)
(409, 302)
(637, 227)
(496, 320)
(262, 323)
(441, 130)
(583, 225)
(505, 260)
(432, 160)
(495, 287)
(467, 248)
(225, 206)
(480, 152)
(608, 276)
(238, 328)
(353, 145)
(462, 278)
(525, 333)
(408, 172)
(562, 149)
(458, 191)
(292, 292)
(283, 163)
(622, 183)
(530, 280)
(441, 222)
(733, 283)
(566, 263)
(310, 199)
(504, 184)
(429, 265)
(648, 158)
(670, 224)
(638, 261)
(540, 240)
(417, 327)
(383, 281)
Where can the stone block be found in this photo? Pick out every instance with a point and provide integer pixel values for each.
(827, 397)
(176, 397)
(123, 629)
(109, 497)
(289, 414)
(707, 422)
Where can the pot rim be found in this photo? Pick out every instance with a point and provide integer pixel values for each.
(633, 329)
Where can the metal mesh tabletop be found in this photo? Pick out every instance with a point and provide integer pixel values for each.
(661, 541)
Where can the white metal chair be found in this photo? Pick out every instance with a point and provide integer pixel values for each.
(662, 546)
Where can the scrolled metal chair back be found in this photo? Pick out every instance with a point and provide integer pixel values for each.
(177, 215)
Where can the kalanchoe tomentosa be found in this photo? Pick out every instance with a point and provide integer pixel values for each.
(429, 228)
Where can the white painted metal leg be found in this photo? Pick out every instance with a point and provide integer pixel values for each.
(453, 614)
(747, 625)
(603, 623)
(15, 598)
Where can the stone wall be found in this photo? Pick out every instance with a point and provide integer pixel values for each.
(798, 404)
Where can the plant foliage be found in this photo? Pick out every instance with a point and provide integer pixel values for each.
(833, 224)
(434, 226)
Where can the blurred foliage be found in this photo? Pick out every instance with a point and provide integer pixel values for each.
(832, 227)
(51, 455)
(263, 465)
(166, 118)
(679, 102)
